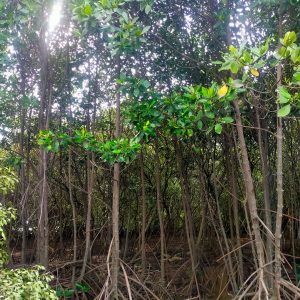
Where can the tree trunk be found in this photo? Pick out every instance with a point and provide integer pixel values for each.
(23, 194)
(88, 229)
(266, 191)
(186, 199)
(44, 115)
(250, 193)
(160, 213)
(279, 139)
(231, 177)
(73, 215)
(116, 199)
(143, 195)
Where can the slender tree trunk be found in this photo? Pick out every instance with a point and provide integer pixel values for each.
(23, 194)
(186, 199)
(73, 215)
(231, 177)
(116, 200)
(144, 208)
(228, 259)
(90, 183)
(266, 191)
(88, 229)
(160, 213)
(250, 193)
(70, 186)
(279, 139)
(127, 233)
(44, 115)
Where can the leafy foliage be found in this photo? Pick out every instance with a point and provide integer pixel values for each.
(241, 61)
(8, 179)
(19, 283)
(26, 284)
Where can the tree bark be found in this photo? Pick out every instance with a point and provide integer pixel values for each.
(160, 213)
(231, 177)
(250, 192)
(88, 229)
(44, 115)
(279, 140)
(144, 208)
(116, 199)
(186, 200)
(23, 194)
(266, 191)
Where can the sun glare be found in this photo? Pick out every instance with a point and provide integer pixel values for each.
(55, 15)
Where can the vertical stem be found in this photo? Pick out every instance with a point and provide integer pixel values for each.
(73, 215)
(160, 213)
(116, 199)
(250, 192)
(266, 190)
(231, 177)
(143, 191)
(186, 199)
(23, 195)
(279, 139)
(44, 115)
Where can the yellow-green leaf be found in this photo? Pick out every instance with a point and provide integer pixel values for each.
(88, 10)
(223, 91)
(218, 128)
(254, 72)
(284, 111)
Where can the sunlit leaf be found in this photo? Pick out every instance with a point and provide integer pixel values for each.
(254, 72)
(284, 111)
(218, 128)
(289, 38)
(223, 91)
(234, 67)
(284, 95)
(227, 120)
(88, 10)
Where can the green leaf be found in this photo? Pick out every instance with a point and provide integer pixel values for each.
(245, 77)
(82, 287)
(247, 57)
(217, 62)
(232, 49)
(88, 10)
(199, 124)
(147, 9)
(284, 111)
(145, 29)
(237, 83)
(227, 120)
(282, 51)
(145, 83)
(284, 95)
(190, 132)
(296, 78)
(289, 38)
(218, 128)
(210, 115)
(104, 3)
(125, 16)
(234, 67)
(295, 55)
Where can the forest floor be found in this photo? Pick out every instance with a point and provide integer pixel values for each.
(212, 274)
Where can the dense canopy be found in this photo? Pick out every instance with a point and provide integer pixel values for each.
(149, 149)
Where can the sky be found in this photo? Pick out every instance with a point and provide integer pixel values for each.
(55, 15)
